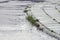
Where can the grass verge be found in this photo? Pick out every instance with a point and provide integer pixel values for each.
(31, 20)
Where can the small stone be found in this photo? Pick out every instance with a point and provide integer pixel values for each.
(52, 31)
(25, 11)
(37, 20)
(41, 29)
(37, 25)
(53, 19)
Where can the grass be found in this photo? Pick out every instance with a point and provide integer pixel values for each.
(31, 20)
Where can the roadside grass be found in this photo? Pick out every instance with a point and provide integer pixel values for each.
(31, 20)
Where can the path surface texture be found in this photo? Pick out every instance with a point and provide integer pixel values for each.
(14, 26)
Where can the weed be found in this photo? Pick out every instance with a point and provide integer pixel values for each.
(32, 20)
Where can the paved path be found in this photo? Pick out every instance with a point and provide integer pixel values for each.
(14, 26)
(48, 15)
